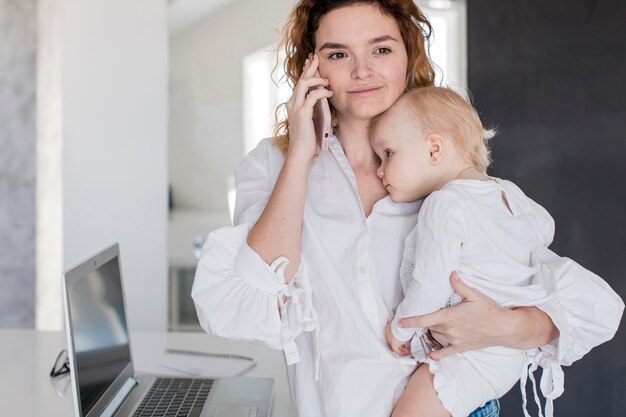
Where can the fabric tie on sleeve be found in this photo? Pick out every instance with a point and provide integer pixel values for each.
(552, 380)
(297, 312)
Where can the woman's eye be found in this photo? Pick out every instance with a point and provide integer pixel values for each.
(383, 50)
(336, 55)
(388, 153)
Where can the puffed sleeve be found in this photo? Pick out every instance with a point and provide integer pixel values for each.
(585, 308)
(236, 293)
(587, 313)
(227, 304)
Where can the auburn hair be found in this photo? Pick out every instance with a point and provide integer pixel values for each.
(298, 41)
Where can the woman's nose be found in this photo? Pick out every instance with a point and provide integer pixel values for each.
(361, 68)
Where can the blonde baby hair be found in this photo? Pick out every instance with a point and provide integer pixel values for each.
(441, 110)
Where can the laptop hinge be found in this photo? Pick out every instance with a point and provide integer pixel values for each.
(119, 398)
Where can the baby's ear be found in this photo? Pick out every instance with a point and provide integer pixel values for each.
(436, 147)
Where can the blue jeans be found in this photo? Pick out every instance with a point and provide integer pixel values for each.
(491, 409)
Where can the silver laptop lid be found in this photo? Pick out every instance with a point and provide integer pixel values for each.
(98, 341)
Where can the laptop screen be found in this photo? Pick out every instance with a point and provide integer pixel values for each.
(100, 335)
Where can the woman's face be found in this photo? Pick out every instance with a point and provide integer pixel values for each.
(363, 56)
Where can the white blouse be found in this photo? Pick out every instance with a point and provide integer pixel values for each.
(346, 290)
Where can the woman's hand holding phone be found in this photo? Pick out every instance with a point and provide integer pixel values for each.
(309, 91)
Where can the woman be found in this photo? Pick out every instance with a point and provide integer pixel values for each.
(311, 266)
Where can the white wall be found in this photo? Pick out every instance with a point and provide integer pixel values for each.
(112, 105)
(206, 123)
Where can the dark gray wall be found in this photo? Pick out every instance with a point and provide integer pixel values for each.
(551, 75)
(18, 20)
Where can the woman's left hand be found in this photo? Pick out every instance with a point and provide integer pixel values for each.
(475, 323)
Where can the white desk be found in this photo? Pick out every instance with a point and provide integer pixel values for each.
(26, 357)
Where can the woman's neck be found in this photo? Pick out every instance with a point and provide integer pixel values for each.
(355, 140)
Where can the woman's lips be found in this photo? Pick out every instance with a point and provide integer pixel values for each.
(361, 91)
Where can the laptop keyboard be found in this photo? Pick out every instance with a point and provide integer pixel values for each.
(175, 397)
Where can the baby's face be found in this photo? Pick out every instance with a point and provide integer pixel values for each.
(405, 167)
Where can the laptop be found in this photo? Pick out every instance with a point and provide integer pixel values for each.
(104, 382)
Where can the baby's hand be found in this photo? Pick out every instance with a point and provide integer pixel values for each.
(398, 346)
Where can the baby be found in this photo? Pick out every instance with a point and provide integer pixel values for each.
(432, 144)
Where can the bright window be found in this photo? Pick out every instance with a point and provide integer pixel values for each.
(263, 90)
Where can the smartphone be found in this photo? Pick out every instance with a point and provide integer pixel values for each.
(322, 122)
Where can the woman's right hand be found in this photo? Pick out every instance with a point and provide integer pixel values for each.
(308, 90)
(479, 322)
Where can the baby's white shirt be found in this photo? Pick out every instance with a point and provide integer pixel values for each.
(466, 227)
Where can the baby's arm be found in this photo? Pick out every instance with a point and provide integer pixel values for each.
(440, 232)
(419, 398)
(398, 346)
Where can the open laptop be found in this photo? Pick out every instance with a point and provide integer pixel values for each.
(104, 383)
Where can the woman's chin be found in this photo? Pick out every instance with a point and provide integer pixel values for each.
(367, 110)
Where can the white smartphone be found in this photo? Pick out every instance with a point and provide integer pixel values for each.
(322, 122)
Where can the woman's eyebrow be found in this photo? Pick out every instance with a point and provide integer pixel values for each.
(383, 39)
(379, 39)
(333, 45)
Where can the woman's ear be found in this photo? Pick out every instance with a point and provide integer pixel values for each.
(436, 148)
